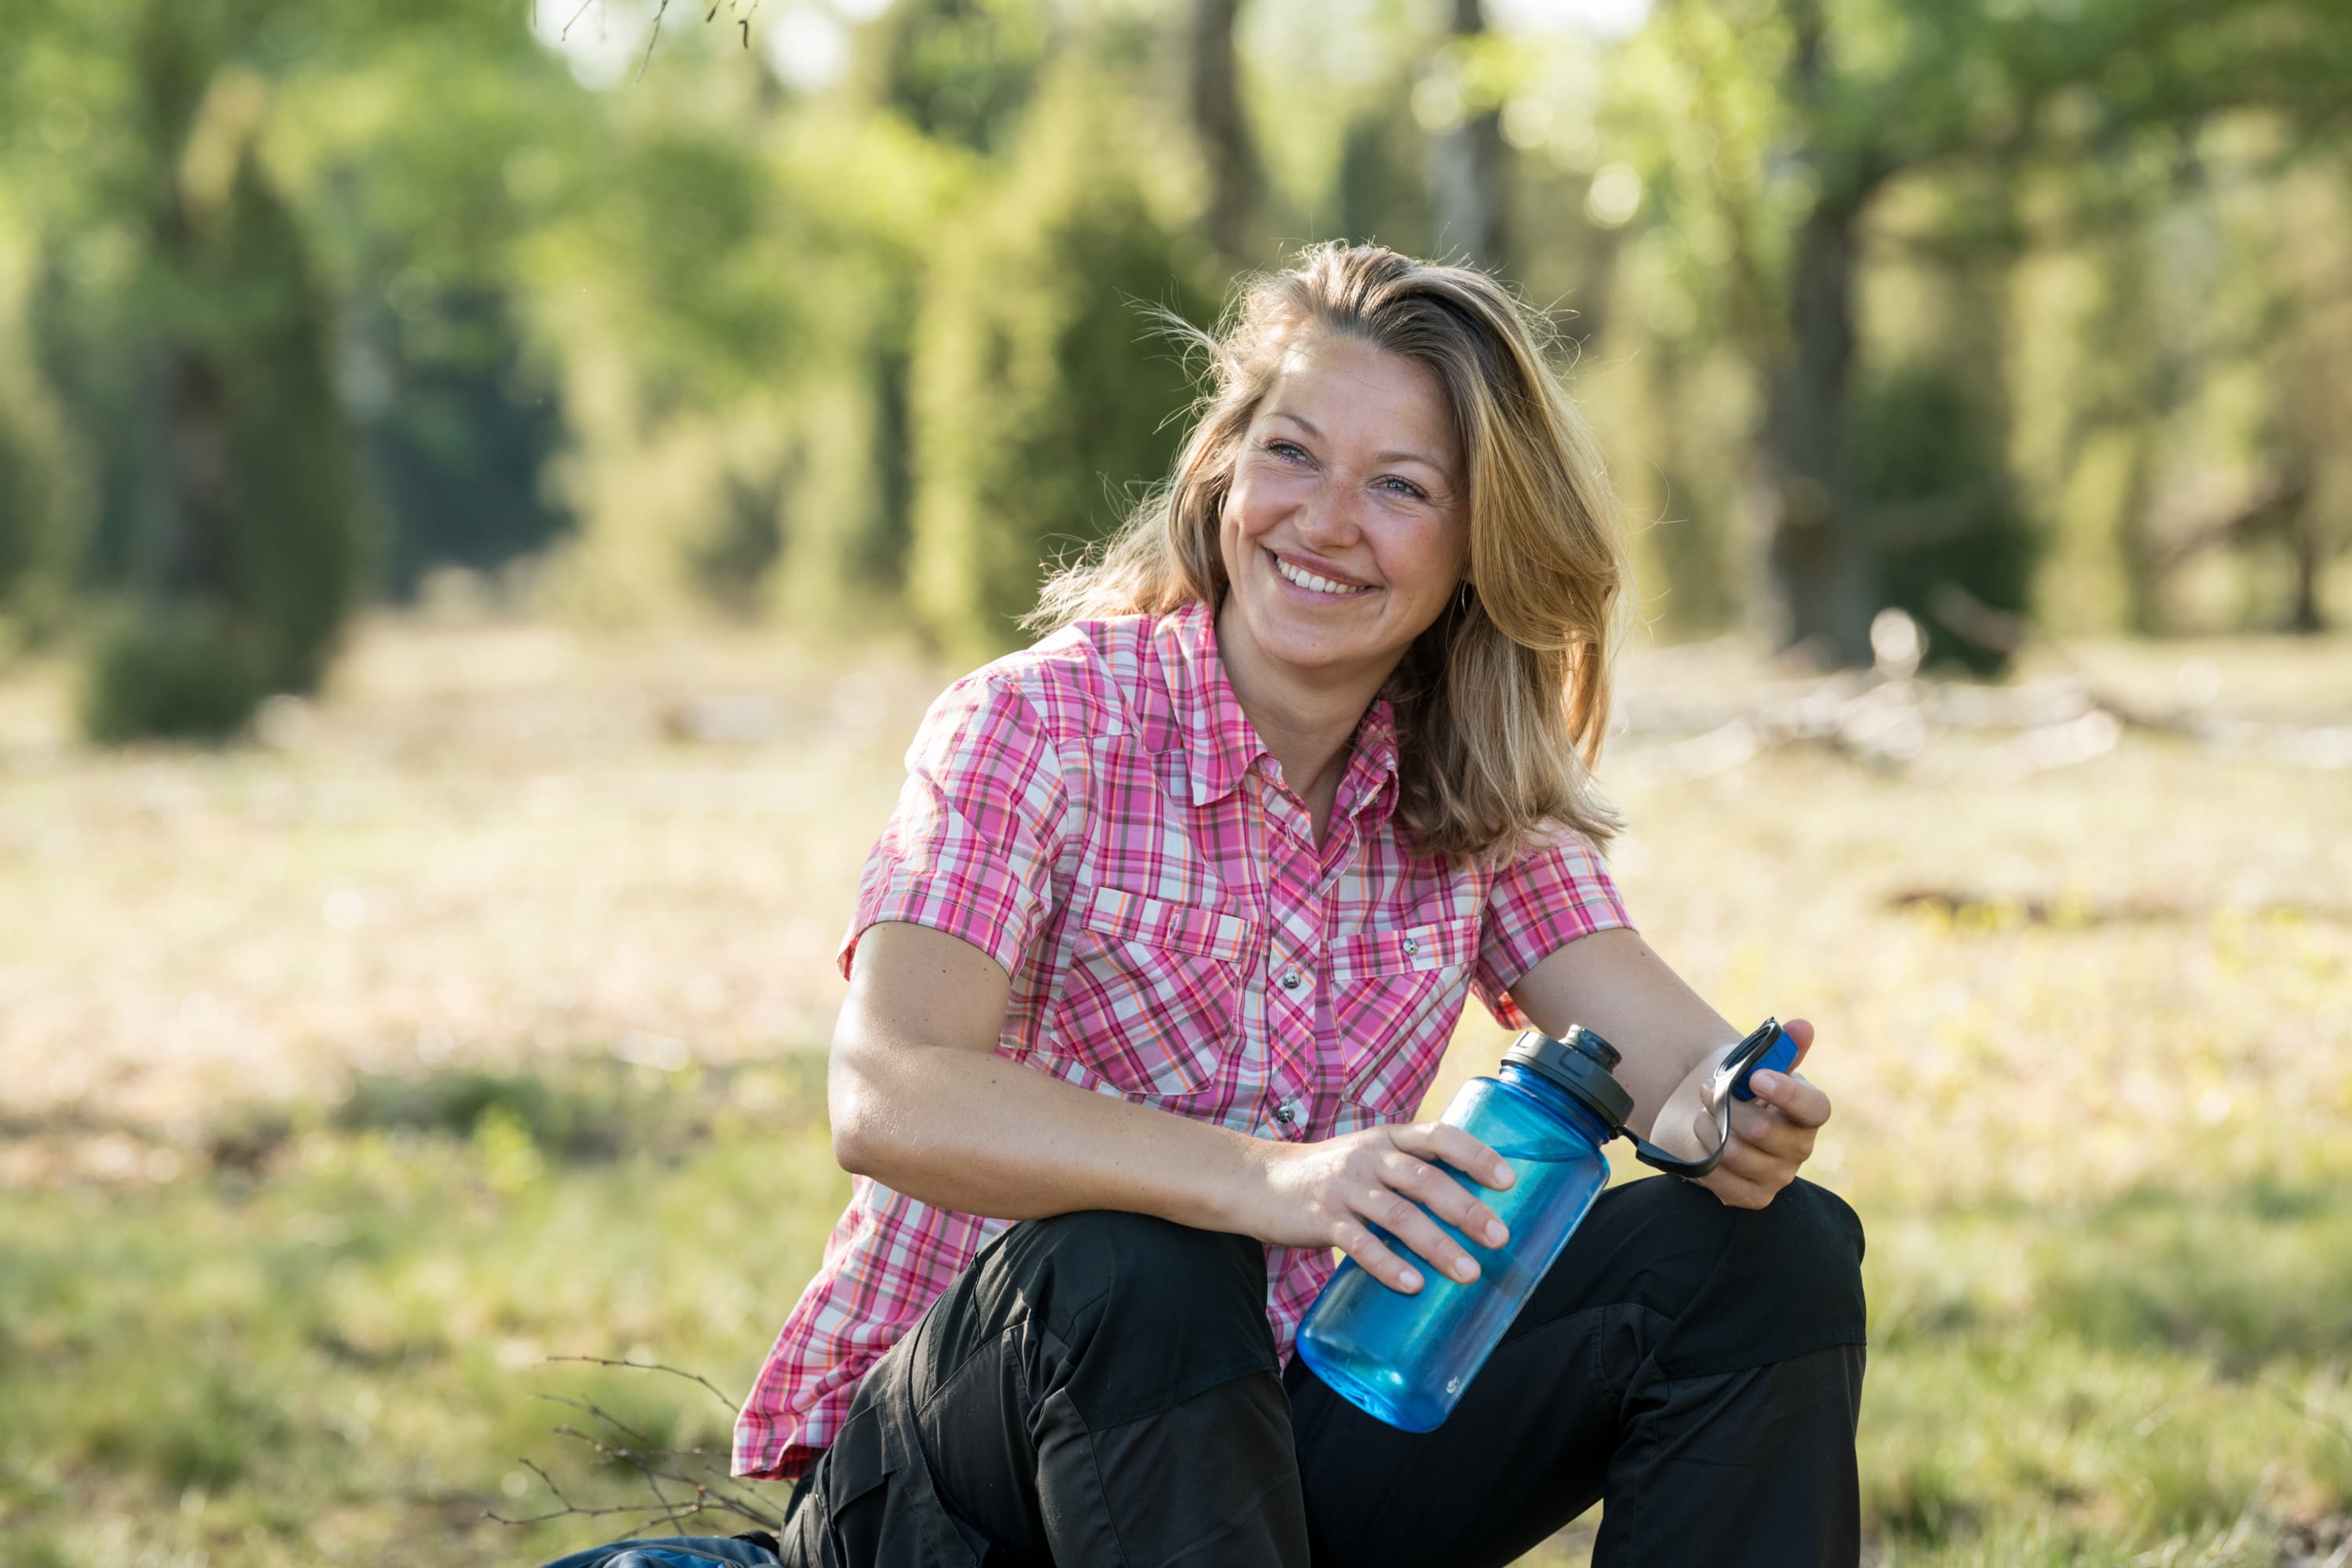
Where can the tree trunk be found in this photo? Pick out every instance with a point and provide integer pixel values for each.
(1822, 570)
(2301, 532)
(1222, 127)
(1469, 168)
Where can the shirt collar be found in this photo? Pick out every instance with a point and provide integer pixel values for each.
(1223, 744)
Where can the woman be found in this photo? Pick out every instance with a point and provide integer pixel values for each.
(1156, 959)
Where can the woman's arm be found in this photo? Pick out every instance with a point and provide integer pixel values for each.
(921, 1102)
(1615, 984)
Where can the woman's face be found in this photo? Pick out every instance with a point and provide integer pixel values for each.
(1346, 529)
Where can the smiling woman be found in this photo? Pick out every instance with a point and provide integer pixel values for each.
(1160, 954)
(1391, 429)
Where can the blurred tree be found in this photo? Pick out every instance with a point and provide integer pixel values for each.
(1469, 164)
(1925, 459)
(194, 335)
(962, 70)
(44, 501)
(1809, 116)
(1220, 126)
(1040, 397)
(257, 518)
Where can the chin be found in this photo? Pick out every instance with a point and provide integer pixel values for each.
(1288, 639)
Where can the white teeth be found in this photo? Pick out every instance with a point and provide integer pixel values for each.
(1306, 579)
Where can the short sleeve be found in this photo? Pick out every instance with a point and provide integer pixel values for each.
(1540, 903)
(971, 849)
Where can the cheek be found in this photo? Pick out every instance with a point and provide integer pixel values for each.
(1429, 558)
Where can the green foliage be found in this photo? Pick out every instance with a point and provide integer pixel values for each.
(962, 70)
(1379, 190)
(1920, 450)
(1042, 396)
(44, 496)
(295, 548)
(173, 671)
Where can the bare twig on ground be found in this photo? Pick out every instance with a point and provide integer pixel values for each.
(712, 1489)
(1886, 718)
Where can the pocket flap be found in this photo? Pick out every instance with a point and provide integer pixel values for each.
(1187, 928)
(1440, 944)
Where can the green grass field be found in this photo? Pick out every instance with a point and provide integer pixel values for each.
(475, 1020)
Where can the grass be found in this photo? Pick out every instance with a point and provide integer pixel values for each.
(469, 1023)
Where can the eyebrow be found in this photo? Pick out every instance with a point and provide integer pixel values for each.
(1308, 425)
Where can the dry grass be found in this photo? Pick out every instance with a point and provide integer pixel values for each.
(2092, 1097)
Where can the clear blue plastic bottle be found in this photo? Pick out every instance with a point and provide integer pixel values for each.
(1407, 1358)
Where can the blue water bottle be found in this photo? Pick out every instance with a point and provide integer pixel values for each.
(1548, 1113)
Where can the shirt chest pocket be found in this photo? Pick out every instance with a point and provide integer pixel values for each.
(1395, 996)
(1151, 997)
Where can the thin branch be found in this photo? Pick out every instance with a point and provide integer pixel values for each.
(651, 39)
(565, 36)
(716, 1392)
(729, 1499)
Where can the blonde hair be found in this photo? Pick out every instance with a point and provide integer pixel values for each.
(1502, 705)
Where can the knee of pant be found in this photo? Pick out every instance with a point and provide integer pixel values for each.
(1803, 1250)
(1146, 1280)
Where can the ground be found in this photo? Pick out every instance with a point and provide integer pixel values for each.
(473, 1016)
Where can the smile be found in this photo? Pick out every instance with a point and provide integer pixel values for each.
(1313, 584)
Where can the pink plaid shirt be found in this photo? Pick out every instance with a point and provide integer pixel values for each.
(1097, 815)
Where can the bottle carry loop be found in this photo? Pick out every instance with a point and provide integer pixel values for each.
(1581, 1063)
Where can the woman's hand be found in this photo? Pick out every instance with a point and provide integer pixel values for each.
(1771, 1135)
(1332, 1192)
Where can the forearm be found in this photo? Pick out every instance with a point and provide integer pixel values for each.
(972, 1132)
(1615, 984)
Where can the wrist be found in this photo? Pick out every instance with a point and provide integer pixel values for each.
(1234, 1200)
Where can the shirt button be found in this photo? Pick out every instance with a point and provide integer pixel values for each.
(1285, 1115)
(1290, 981)
(1410, 945)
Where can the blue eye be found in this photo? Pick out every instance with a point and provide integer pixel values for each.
(1408, 487)
(1287, 450)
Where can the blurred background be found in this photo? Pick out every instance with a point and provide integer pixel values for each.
(487, 488)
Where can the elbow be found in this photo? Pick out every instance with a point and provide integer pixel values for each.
(854, 1107)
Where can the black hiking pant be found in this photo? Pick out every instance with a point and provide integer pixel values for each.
(1101, 1389)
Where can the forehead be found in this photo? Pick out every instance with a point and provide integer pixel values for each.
(1352, 391)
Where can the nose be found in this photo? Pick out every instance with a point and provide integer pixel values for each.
(1332, 519)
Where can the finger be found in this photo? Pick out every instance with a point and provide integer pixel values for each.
(1764, 1167)
(1793, 1096)
(1411, 1225)
(1705, 1134)
(1762, 1127)
(1443, 1140)
(1800, 1033)
(1376, 1258)
(1444, 1195)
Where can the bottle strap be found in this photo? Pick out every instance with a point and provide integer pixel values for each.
(1731, 1074)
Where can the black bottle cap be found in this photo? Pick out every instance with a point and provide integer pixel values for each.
(1579, 1062)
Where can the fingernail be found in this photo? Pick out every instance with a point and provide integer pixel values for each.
(1467, 1268)
(1504, 1176)
(1412, 1280)
(1495, 1233)
(1764, 1082)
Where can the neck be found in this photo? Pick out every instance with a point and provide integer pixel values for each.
(1305, 718)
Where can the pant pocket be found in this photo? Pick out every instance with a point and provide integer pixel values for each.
(871, 1504)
